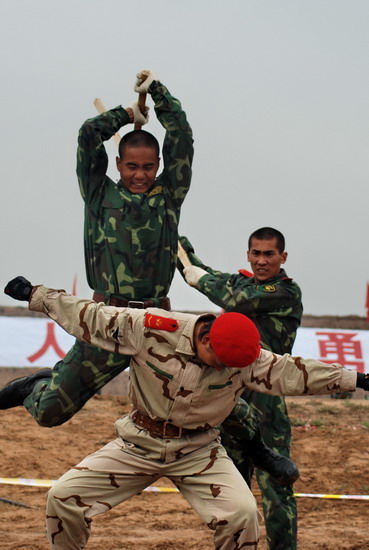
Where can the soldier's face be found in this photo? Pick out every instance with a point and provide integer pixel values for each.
(205, 353)
(265, 258)
(138, 167)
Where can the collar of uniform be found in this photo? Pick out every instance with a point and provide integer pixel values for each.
(281, 275)
(124, 194)
(186, 342)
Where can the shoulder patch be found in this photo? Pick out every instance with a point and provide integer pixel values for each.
(267, 288)
(155, 191)
(245, 273)
(161, 323)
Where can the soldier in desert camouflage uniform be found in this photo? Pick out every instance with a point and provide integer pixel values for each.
(273, 301)
(183, 367)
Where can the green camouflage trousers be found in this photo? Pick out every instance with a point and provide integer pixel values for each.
(279, 504)
(80, 375)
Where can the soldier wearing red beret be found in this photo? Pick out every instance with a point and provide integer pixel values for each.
(187, 372)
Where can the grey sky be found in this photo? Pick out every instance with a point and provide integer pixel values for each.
(276, 93)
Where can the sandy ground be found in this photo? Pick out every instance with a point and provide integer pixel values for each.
(331, 447)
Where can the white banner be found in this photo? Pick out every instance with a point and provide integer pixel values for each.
(37, 342)
(32, 342)
(346, 347)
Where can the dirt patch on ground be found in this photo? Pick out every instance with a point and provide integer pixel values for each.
(330, 446)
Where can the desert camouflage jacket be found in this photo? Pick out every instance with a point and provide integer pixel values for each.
(167, 380)
(130, 240)
(275, 306)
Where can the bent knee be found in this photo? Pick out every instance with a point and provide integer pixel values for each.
(50, 419)
(49, 411)
(62, 493)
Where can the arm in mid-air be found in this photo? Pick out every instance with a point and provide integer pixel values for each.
(118, 330)
(114, 329)
(287, 375)
(231, 291)
(178, 142)
(92, 158)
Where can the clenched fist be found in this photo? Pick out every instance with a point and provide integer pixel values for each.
(144, 79)
(138, 117)
(19, 289)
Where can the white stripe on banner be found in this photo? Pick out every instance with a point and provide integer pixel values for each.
(35, 342)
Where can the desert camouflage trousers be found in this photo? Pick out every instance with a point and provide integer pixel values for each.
(213, 487)
(279, 503)
(74, 380)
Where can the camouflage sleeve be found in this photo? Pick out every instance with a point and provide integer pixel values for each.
(223, 289)
(178, 143)
(234, 292)
(92, 159)
(117, 330)
(287, 375)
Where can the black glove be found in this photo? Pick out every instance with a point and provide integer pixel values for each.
(19, 289)
(187, 246)
(362, 381)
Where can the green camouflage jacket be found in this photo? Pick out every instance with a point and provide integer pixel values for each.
(275, 306)
(130, 240)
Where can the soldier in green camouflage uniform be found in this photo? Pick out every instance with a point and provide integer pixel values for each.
(130, 237)
(273, 301)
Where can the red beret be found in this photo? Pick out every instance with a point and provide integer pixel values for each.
(235, 340)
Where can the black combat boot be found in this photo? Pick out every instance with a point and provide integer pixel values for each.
(281, 468)
(15, 391)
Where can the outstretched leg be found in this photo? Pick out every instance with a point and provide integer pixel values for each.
(53, 396)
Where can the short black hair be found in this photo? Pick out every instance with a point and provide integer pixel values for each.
(139, 138)
(266, 233)
(208, 321)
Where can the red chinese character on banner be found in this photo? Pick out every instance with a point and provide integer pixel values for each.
(50, 342)
(346, 351)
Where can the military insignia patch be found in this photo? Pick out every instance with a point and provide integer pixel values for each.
(156, 190)
(160, 323)
(267, 288)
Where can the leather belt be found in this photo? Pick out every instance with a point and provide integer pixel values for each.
(163, 302)
(160, 428)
